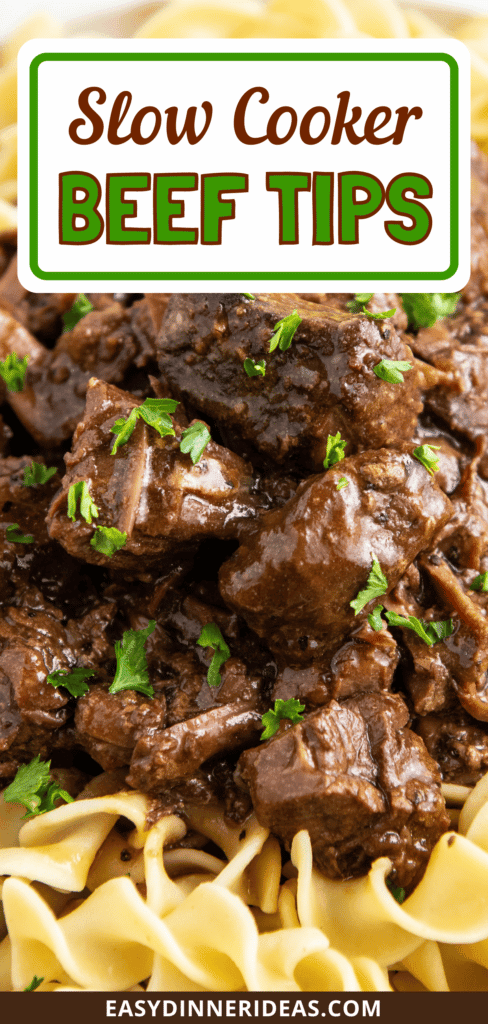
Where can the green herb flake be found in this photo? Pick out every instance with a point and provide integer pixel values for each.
(342, 483)
(132, 672)
(36, 474)
(376, 586)
(392, 370)
(334, 451)
(255, 369)
(429, 632)
(247, 295)
(212, 637)
(290, 709)
(107, 540)
(79, 493)
(31, 987)
(396, 891)
(73, 681)
(374, 619)
(154, 411)
(14, 536)
(81, 306)
(425, 453)
(480, 583)
(358, 304)
(194, 440)
(424, 309)
(284, 331)
(13, 370)
(33, 788)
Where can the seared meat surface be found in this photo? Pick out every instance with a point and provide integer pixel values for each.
(347, 596)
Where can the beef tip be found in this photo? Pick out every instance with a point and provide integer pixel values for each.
(177, 752)
(464, 538)
(41, 314)
(458, 743)
(109, 725)
(295, 577)
(361, 783)
(322, 384)
(148, 489)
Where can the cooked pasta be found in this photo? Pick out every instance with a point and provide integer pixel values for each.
(89, 908)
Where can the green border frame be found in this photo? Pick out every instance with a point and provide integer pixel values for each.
(244, 274)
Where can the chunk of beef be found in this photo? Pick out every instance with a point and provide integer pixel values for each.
(295, 577)
(361, 783)
(464, 538)
(109, 725)
(323, 383)
(177, 752)
(149, 489)
(458, 743)
(41, 314)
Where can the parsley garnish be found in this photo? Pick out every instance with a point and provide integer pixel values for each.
(33, 788)
(374, 619)
(212, 637)
(284, 331)
(334, 451)
(31, 987)
(255, 369)
(81, 306)
(14, 536)
(132, 673)
(480, 582)
(342, 483)
(425, 455)
(425, 308)
(429, 632)
(392, 370)
(107, 540)
(291, 709)
(396, 891)
(73, 682)
(36, 474)
(12, 369)
(194, 440)
(358, 304)
(154, 412)
(79, 492)
(376, 586)
(247, 295)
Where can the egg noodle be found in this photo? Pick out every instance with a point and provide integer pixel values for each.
(89, 907)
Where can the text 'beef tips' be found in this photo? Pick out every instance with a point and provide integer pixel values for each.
(294, 578)
(148, 489)
(361, 783)
(324, 382)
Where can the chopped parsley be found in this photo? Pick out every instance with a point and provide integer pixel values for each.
(107, 540)
(480, 582)
(425, 453)
(132, 672)
(396, 891)
(73, 682)
(247, 295)
(334, 451)
(424, 309)
(284, 331)
(342, 483)
(13, 370)
(255, 369)
(376, 586)
(194, 440)
(429, 632)
(81, 306)
(14, 536)
(374, 619)
(79, 493)
(358, 304)
(36, 474)
(154, 412)
(212, 637)
(290, 709)
(392, 370)
(33, 788)
(31, 987)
